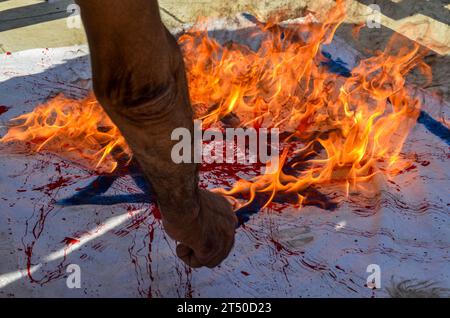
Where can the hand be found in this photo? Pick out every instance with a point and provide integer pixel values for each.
(208, 238)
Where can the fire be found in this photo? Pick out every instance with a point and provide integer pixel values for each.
(269, 87)
(361, 132)
(76, 129)
(352, 128)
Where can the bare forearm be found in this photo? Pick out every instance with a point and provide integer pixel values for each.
(128, 34)
(139, 79)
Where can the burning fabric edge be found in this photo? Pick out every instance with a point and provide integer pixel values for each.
(351, 128)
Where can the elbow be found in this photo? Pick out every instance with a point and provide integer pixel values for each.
(136, 102)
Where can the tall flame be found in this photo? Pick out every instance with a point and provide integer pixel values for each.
(355, 127)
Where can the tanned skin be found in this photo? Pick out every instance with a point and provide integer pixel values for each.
(139, 79)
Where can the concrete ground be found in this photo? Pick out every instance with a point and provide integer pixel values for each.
(27, 23)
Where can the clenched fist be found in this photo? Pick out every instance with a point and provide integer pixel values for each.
(209, 237)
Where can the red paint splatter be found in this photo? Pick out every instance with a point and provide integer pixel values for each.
(29, 254)
(156, 213)
(279, 247)
(3, 109)
(60, 182)
(70, 241)
(411, 168)
(35, 227)
(425, 163)
(224, 173)
(339, 268)
(134, 250)
(276, 207)
(188, 286)
(314, 266)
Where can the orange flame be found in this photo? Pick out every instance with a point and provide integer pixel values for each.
(356, 126)
(364, 128)
(269, 86)
(77, 129)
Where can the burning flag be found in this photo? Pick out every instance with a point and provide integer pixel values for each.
(338, 130)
